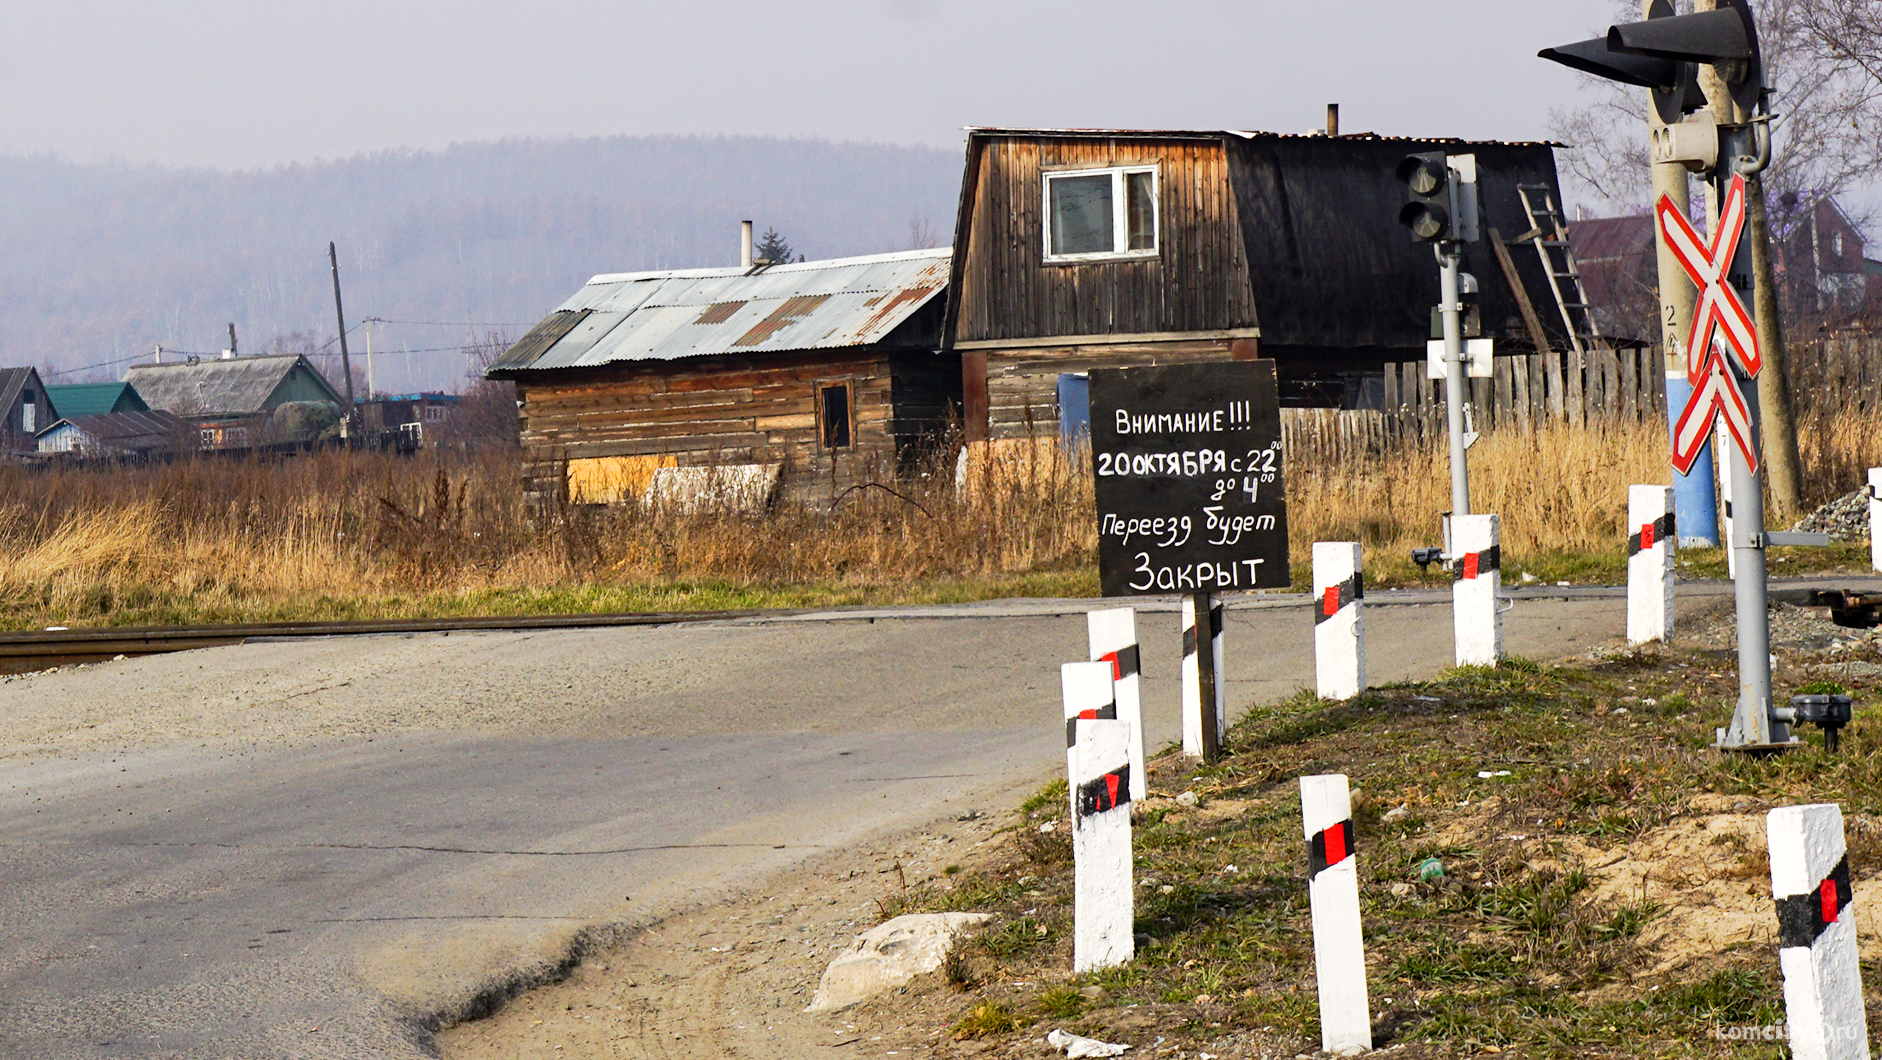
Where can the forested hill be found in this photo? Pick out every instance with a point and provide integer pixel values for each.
(100, 262)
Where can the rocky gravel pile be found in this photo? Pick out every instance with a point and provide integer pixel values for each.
(1845, 519)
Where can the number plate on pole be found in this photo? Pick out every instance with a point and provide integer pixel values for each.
(1187, 463)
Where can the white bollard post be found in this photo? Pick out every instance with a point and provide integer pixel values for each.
(1875, 517)
(1113, 635)
(1192, 677)
(1339, 631)
(1650, 574)
(1817, 933)
(1477, 581)
(1102, 914)
(1087, 688)
(1339, 950)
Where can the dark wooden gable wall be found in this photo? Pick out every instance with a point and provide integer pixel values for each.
(1198, 282)
(1332, 267)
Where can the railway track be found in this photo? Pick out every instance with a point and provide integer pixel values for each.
(25, 652)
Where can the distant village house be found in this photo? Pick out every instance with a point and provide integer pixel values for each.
(25, 410)
(243, 402)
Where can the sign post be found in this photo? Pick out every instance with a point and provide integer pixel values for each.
(1722, 357)
(1186, 459)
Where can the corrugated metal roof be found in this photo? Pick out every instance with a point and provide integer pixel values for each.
(235, 386)
(126, 430)
(666, 315)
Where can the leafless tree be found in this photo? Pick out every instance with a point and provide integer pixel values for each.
(1823, 60)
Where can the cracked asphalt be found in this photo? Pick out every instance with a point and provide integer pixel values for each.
(323, 848)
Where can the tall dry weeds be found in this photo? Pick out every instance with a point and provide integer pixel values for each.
(337, 534)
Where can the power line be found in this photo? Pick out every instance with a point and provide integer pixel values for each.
(460, 323)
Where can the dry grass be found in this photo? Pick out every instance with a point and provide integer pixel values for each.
(334, 535)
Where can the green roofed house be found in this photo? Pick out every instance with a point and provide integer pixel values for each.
(94, 399)
(243, 402)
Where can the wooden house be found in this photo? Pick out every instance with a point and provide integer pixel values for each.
(402, 421)
(133, 434)
(92, 399)
(25, 410)
(242, 402)
(812, 376)
(1082, 248)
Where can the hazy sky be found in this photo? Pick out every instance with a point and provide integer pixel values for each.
(210, 82)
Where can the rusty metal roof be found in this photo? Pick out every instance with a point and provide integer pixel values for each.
(808, 305)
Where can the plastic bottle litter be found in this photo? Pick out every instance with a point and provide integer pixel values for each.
(1430, 870)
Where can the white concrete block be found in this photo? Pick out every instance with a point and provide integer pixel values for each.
(1477, 581)
(1192, 678)
(1875, 517)
(1087, 689)
(1339, 632)
(1102, 903)
(1650, 573)
(1817, 933)
(889, 955)
(1113, 636)
(1339, 950)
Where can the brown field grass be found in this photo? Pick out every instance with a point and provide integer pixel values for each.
(337, 534)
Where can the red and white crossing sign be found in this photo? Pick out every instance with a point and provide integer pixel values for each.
(1719, 317)
(1721, 330)
(1715, 394)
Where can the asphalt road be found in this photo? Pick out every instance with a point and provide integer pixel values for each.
(314, 848)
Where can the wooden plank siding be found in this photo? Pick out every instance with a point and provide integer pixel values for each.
(1197, 282)
(1022, 383)
(736, 410)
(1106, 313)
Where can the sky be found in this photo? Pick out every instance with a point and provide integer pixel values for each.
(251, 85)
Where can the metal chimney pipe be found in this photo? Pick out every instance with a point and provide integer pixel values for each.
(1333, 119)
(744, 244)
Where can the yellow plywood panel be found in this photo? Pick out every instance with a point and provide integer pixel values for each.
(613, 479)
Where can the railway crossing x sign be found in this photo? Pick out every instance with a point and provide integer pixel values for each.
(1715, 393)
(1721, 330)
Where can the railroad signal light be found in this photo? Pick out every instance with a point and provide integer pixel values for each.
(1660, 54)
(1443, 204)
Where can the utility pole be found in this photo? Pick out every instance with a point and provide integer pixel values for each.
(372, 387)
(346, 363)
(1695, 506)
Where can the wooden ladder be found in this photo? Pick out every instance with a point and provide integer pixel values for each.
(1548, 231)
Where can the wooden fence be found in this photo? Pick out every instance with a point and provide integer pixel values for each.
(1835, 373)
(1522, 392)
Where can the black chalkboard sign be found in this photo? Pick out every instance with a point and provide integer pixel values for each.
(1187, 459)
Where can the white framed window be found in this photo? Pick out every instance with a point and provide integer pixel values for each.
(1101, 214)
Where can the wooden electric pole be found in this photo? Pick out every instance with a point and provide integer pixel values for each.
(346, 363)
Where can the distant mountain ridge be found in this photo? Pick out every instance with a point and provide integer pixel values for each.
(101, 262)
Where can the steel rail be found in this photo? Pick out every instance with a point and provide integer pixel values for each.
(25, 651)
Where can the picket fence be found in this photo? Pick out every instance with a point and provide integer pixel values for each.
(1829, 374)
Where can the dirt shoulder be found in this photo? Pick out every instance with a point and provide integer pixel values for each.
(732, 979)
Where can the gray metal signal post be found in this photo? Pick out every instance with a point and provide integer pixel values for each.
(1442, 211)
(1709, 136)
